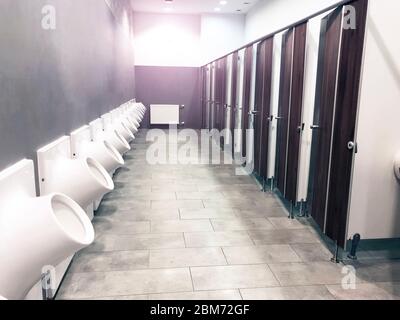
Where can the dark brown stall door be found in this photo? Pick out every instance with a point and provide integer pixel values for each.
(296, 111)
(222, 88)
(283, 109)
(211, 101)
(233, 107)
(322, 135)
(248, 61)
(262, 106)
(344, 145)
(204, 97)
(217, 95)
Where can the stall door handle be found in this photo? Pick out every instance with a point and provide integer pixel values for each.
(351, 145)
(314, 127)
(279, 118)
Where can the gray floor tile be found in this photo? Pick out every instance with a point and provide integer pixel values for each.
(175, 188)
(377, 270)
(288, 293)
(313, 273)
(125, 283)
(136, 242)
(260, 254)
(236, 224)
(282, 236)
(210, 213)
(217, 239)
(198, 195)
(180, 226)
(221, 188)
(285, 223)
(364, 291)
(311, 252)
(110, 261)
(177, 204)
(193, 257)
(263, 212)
(116, 298)
(232, 277)
(108, 226)
(142, 215)
(199, 295)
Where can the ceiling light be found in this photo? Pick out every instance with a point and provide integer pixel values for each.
(223, 2)
(167, 9)
(217, 9)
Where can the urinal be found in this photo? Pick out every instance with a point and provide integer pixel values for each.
(35, 232)
(119, 122)
(123, 129)
(114, 136)
(99, 133)
(84, 180)
(134, 128)
(83, 146)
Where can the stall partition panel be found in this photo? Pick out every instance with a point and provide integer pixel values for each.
(248, 61)
(233, 105)
(331, 32)
(262, 105)
(284, 109)
(212, 96)
(222, 113)
(344, 145)
(295, 113)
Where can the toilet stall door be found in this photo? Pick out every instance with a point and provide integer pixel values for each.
(325, 101)
(258, 105)
(296, 110)
(344, 145)
(217, 95)
(203, 97)
(248, 61)
(262, 106)
(284, 109)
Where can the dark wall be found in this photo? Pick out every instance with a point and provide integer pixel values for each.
(52, 82)
(171, 85)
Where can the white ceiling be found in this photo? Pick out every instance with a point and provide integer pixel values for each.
(192, 6)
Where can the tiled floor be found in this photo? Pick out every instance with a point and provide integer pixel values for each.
(200, 232)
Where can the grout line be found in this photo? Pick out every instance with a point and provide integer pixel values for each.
(191, 277)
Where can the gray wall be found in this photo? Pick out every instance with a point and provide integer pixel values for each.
(52, 82)
(171, 85)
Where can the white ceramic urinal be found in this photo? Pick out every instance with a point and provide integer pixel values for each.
(134, 128)
(35, 232)
(117, 141)
(100, 132)
(135, 116)
(124, 131)
(113, 135)
(84, 180)
(83, 146)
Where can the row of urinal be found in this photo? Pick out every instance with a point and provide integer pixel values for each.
(73, 173)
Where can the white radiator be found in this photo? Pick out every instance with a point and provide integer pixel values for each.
(164, 114)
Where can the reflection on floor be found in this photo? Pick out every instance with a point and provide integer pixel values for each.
(202, 232)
